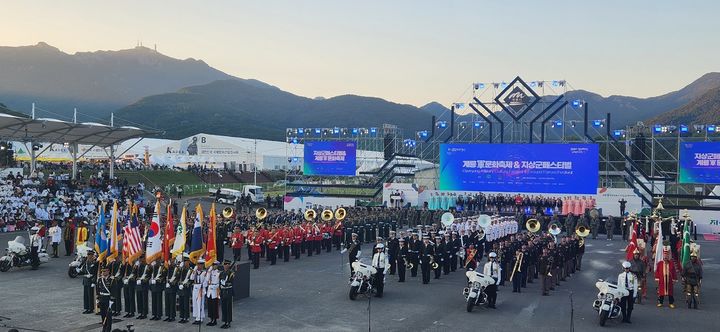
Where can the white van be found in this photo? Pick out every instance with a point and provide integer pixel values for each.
(229, 196)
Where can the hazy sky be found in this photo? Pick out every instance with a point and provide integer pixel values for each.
(405, 51)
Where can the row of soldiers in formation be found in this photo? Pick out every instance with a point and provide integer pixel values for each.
(126, 285)
(522, 257)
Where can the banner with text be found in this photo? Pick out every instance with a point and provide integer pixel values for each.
(699, 162)
(527, 168)
(330, 158)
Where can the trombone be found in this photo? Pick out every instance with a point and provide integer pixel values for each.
(518, 264)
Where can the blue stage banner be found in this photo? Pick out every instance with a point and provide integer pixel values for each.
(515, 168)
(330, 158)
(699, 162)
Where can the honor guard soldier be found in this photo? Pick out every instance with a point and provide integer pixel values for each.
(141, 287)
(227, 276)
(213, 293)
(157, 284)
(401, 259)
(199, 280)
(129, 275)
(104, 298)
(89, 271)
(393, 247)
(439, 255)
(449, 253)
(116, 273)
(492, 269)
(427, 251)
(173, 277)
(184, 289)
(629, 281)
(544, 271)
(414, 248)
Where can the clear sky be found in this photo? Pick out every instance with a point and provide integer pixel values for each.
(405, 51)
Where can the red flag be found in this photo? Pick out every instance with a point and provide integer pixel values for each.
(169, 237)
(633, 243)
(211, 248)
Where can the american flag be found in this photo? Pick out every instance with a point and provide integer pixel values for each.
(132, 240)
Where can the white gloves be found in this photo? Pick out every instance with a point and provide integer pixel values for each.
(343, 251)
(92, 285)
(152, 281)
(180, 287)
(138, 282)
(167, 285)
(359, 254)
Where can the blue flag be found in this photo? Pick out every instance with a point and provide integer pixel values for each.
(101, 239)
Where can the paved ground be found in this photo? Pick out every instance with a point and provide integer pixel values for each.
(311, 295)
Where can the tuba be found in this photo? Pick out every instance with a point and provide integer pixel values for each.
(532, 225)
(340, 214)
(310, 214)
(228, 212)
(327, 215)
(554, 229)
(582, 231)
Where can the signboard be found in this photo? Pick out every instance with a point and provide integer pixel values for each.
(699, 162)
(329, 158)
(520, 168)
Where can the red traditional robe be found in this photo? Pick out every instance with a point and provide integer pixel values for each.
(665, 277)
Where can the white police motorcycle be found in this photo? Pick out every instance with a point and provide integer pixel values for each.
(80, 257)
(475, 291)
(607, 303)
(18, 255)
(361, 280)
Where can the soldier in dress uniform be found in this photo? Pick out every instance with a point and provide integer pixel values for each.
(104, 298)
(227, 276)
(393, 247)
(173, 278)
(544, 271)
(439, 255)
(199, 279)
(116, 273)
(213, 293)
(449, 253)
(353, 249)
(157, 285)
(129, 275)
(184, 289)
(141, 287)
(401, 259)
(427, 250)
(414, 247)
(89, 271)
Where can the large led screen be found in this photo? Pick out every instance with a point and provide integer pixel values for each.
(329, 158)
(515, 168)
(699, 162)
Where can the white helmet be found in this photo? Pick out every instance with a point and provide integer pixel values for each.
(492, 255)
(626, 264)
(379, 246)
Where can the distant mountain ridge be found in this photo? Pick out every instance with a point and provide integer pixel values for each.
(96, 83)
(703, 110)
(184, 97)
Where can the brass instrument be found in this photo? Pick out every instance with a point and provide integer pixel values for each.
(228, 212)
(582, 230)
(554, 229)
(408, 265)
(517, 266)
(327, 215)
(310, 214)
(340, 214)
(433, 264)
(532, 225)
(260, 213)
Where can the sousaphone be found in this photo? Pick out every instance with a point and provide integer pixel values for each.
(340, 214)
(228, 212)
(310, 214)
(554, 229)
(327, 215)
(532, 225)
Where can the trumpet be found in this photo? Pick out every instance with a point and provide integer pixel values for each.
(532, 225)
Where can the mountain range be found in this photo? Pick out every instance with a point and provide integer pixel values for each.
(184, 97)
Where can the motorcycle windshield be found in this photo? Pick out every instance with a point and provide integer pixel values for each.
(19, 239)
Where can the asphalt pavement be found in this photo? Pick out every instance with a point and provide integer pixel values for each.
(311, 294)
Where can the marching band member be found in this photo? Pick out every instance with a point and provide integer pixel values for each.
(236, 243)
(255, 240)
(199, 280)
(227, 276)
(629, 281)
(272, 245)
(287, 238)
(380, 263)
(297, 241)
(492, 269)
(213, 293)
(427, 250)
(438, 255)
(401, 259)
